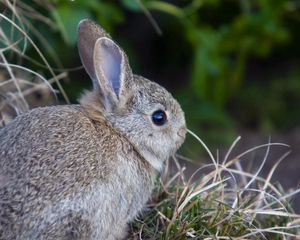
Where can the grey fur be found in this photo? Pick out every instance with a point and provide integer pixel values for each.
(84, 171)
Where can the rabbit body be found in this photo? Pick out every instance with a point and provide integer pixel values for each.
(84, 171)
(72, 191)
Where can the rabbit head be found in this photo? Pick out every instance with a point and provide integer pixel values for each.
(142, 111)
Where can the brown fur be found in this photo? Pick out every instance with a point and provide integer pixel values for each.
(85, 171)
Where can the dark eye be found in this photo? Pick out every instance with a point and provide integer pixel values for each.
(159, 117)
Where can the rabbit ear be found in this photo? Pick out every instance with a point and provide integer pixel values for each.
(88, 33)
(112, 71)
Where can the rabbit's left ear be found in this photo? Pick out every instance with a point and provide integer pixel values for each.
(112, 72)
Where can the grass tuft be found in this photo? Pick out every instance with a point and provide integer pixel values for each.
(224, 203)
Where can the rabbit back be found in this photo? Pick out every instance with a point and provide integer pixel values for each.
(64, 174)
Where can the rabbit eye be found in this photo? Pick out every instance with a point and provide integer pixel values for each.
(159, 117)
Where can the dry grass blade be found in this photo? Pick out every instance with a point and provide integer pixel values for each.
(21, 30)
(196, 193)
(150, 17)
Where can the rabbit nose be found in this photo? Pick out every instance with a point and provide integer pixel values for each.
(182, 132)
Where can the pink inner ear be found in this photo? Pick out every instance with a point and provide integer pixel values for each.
(110, 64)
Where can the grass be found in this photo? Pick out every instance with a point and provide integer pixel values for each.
(225, 202)
(19, 84)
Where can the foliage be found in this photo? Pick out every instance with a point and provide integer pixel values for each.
(219, 39)
(223, 35)
(280, 100)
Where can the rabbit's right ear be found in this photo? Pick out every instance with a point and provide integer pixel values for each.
(88, 33)
(113, 73)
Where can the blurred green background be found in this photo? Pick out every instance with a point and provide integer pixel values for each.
(231, 64)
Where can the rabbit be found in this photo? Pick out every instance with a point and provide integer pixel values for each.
(85, 171)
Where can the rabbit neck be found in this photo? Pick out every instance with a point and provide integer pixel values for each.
(153, 159)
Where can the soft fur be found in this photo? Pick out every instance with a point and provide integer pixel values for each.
(84, 171)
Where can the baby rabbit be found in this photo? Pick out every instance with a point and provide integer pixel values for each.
(84, 171)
